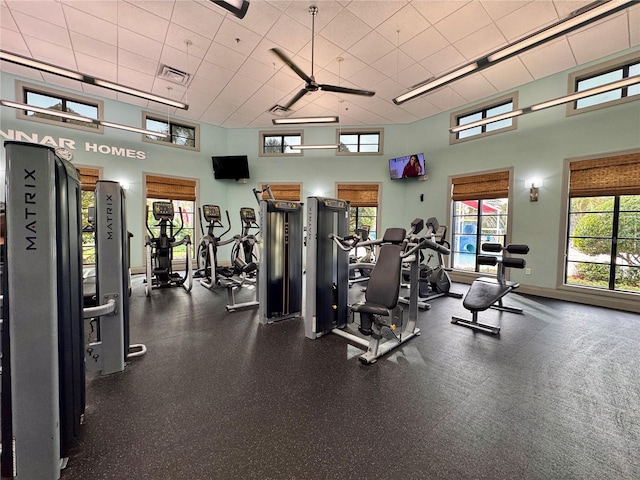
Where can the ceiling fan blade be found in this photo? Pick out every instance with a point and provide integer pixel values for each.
(353, 91)
(298, 96)
(282, 56)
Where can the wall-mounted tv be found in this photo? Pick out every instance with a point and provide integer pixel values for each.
(230, 167)
(407, 167)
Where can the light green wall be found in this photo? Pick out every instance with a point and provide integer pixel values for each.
(536, 149)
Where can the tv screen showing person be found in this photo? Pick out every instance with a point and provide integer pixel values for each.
(409, 166)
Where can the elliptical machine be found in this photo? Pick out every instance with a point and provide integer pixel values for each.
(160, 272)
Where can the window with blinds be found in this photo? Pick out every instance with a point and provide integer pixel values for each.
(480, 214)
(603, 234)
(284, 191)
(363, 199)
(182, 193)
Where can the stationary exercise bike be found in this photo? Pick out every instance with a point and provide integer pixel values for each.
(160, 272)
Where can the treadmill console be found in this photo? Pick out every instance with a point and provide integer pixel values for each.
(211, 213)
(163, 211)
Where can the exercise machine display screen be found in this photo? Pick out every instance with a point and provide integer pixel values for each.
(211, 213)
(248, 214)
(163, 211)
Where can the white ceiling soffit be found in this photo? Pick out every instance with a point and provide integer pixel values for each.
(233, 78)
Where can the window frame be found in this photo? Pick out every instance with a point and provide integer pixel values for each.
(180, 123)
(21, 89)
(594, 71)
(84, 213)
(378, 205)
(482, 108)
(360, 132)
(279, 133)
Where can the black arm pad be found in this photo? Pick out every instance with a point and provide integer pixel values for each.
(487, 260)
(435, 246)
(517, 248)
(491, 247)
(510, 262)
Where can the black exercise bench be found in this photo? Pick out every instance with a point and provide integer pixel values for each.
(487, 292)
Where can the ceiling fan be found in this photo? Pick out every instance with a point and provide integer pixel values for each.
(310, 82)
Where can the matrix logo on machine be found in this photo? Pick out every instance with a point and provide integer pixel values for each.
(109, 217)
(30, 199)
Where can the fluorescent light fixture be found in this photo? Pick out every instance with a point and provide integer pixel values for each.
(314, 147)
(437, 82)
(304, 120)
(588, 93)
(133, 129)
(551, 103)
(485, 121)
(63, 72)
(578, 19)
(237, 7)
(46, 111)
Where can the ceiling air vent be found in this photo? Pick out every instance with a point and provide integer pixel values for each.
(173, 75)
(280, 111)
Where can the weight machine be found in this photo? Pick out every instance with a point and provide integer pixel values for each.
(159, 271)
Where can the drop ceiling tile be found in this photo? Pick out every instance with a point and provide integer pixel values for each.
(376, 12)
(13, 42)
(262, 100)
(414, 74)
(32, 27)
(566, 7)
(90, 26)
(404, 25)
(256, 71)
(94, 47)
(210, 71)
(400, 116)
(548, 59)
(508, 74)
(420, 107)
(99, 92)
(393, 63)
(160, 8)
(178, 59)
(240, 88)
(530, 18)
(462, 22)
(137, 63)
(207, 87)
(141, 45)
(327, 11)
(43, 50)
(225, 57)
(424, 44)
(500, 8)
(134, 78)
(388, 89)
(372, 47)
(473, 88)
(366, 78)
(142, 21)
(21, 71)
(325, 52)
(289, 34)
(197, 18)
(237, 38)
(237, 120)
(445, 99)
(62, 82)
(96, 67)
(634, 25)
(443, 61)
(600, 39)
(436, 10)
(177, 37)
(123, 97)
(480, 43)
(345, 29)
(349, 66)
(106, 10)
(47, 11)
(6, 20)
(260, 17)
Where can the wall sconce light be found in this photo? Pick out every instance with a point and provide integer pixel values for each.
(534, 184)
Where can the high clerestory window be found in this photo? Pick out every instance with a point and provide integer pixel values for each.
(479, 112)
(279, 144)
(353, 142)
(180, 134)
(619, 69)
(50, 99)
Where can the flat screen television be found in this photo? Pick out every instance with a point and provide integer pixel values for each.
(230, 167)
(409, 166)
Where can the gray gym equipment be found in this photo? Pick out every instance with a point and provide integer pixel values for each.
(43, 325)
(280, 271)
(110, 351)
(488, 292)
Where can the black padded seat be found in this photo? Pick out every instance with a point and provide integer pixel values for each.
(482, 295)
(508, 283)
(371, 308)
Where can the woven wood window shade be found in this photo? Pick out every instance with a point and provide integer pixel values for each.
(88, 178)
(359, 194)
(171, 188)
(619, 175)
(284, 191)
(481, 187)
